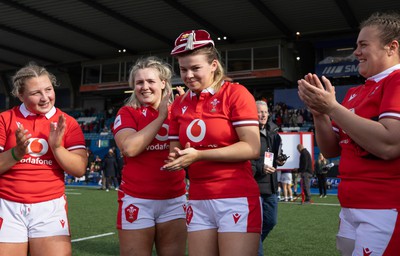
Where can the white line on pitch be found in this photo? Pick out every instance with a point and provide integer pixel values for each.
(92, 237)
(311, 203)
(326, 204)
(72, 193)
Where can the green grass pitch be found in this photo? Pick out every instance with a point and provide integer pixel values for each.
(302, 230)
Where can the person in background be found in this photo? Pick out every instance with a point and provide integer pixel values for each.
(321, 171)
(266, 175)
(296, 181)
(152, 202)
(98, 166)
(306, 171)
(90, 163)
(110, 169)
(364, 132)
(121, 163)
(38, 143)
(214, 133)
(286, 181)
(281, 196)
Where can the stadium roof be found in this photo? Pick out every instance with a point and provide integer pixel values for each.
(67, 32)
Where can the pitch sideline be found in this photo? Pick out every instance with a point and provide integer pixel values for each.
(92, 237)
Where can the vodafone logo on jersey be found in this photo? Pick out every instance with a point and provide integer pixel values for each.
(196, 130)
(162, 134)
(37, 147)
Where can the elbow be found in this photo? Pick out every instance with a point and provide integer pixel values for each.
(82, 169)
(80, 175)
(255, 154)
(331, 153)
(256, 151)
(390, 153)
(129, 153)
(386, 158)
(81, 172)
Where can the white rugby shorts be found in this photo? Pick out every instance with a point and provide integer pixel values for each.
(241, 214)
(137, 213)
(19, 222)
(286, 178)
(374, 231)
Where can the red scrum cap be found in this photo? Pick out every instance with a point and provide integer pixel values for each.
(190, 40)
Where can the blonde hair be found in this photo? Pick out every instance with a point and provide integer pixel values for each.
(211, 54)
(387, 23)
(164, 73)
(29, 71)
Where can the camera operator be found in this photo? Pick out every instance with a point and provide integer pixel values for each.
(266, 175)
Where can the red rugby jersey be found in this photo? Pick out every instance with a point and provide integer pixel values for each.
(142, 175)
(37, 177)
(367, 181)
(208, 122)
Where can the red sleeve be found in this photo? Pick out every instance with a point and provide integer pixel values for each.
(390, 105)
(7, 135)
(74, 138)
(243, 107)
(173, 133)
(3, 132)
(125, 118)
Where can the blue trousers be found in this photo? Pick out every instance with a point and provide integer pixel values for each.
(270, 216)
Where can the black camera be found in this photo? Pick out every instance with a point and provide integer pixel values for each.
(326, 168)
(281, 159)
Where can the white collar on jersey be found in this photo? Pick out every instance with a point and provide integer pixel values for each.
(385, 73)
(25, 112)
(208, 89)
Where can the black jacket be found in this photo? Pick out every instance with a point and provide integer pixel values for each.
(110, 166)
(319, 166)
(305, 164)
(272, 142)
